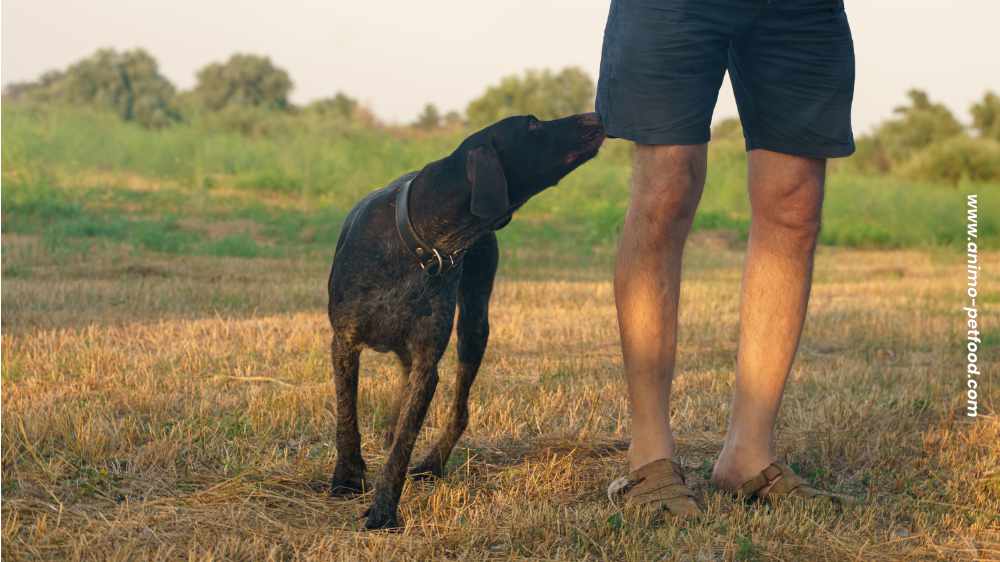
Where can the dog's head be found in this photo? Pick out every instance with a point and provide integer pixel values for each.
(516, 158)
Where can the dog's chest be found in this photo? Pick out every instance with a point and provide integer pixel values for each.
(388, 318)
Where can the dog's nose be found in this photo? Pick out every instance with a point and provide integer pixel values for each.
(592, 118)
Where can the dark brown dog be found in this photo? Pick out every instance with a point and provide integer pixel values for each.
(407, 254)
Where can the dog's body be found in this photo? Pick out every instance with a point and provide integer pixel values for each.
(391, 293)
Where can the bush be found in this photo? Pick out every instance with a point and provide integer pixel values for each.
(917, 126)
(956, 159)
(545, 94)
(986, 116)
(128, 83)
(243, 80)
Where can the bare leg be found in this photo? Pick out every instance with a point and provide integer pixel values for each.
(786, 197)
(667, 182)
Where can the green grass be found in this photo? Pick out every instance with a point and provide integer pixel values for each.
(77, 177)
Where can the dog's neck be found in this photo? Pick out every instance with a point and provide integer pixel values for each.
(439, 208)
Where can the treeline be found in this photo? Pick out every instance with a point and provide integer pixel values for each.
(923, 140)
(250, 94)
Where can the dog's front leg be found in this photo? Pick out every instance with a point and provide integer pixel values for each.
(474, 292)
(423, 381)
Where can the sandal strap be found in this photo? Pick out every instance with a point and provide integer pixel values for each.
(779, 480)
(776, 479)
(659, 482)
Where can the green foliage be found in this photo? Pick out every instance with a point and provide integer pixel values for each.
(545, 94)
(986, 116)
(429, 119)
(296, 153)
(956, 159)
(728, 129)
(236, 245)
(128, 83)
(746, 550)
(287, 187)
(916, 126)
(453, 119)
(243, 80)
(869, 157)
(248, 120)
(340, 105)
(925, 142)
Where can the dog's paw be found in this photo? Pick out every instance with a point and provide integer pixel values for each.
(379, 519)
(426, 470)
(340, 487)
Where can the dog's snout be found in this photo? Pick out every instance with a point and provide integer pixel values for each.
(591, 122)
(591, 119)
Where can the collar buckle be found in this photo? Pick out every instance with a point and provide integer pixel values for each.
(436, 263)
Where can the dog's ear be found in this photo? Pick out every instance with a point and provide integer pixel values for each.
(489, 185)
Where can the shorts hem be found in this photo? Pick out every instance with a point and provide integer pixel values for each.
(828, 151)
(657, 137)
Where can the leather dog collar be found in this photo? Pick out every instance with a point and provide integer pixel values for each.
(429, 258)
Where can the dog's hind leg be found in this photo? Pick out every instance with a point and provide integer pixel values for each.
(349, 473)
(475, 287)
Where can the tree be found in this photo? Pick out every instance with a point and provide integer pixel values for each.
(545, 94)
(340, 105)
(41, 90)
(453, 119)
(958, 158)
(129, 83)
(916, 126)
(430, 118)
(243, 80)
(986, 116)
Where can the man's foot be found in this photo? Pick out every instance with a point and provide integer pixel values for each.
(737, 464)
(778, 481)
(659, 485)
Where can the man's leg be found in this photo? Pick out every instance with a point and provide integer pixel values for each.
(667, 182)
(786, 196)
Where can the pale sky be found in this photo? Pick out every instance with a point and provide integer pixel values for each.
(395, 56)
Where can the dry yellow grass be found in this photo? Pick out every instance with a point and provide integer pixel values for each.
(160, 409)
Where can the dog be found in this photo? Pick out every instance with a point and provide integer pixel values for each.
(407, 254)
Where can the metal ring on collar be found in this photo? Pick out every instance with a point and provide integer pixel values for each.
(434, 269)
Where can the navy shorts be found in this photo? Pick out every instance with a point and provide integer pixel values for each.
(791, 63)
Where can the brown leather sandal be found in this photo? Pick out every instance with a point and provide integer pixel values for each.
(660, 485)
(778, 480)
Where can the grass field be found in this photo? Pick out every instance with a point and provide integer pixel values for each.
(167, 395)
(180, 407)
(193, 189)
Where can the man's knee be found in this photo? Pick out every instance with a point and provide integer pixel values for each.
(791, 201)
(666, 186)
(795, 208)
